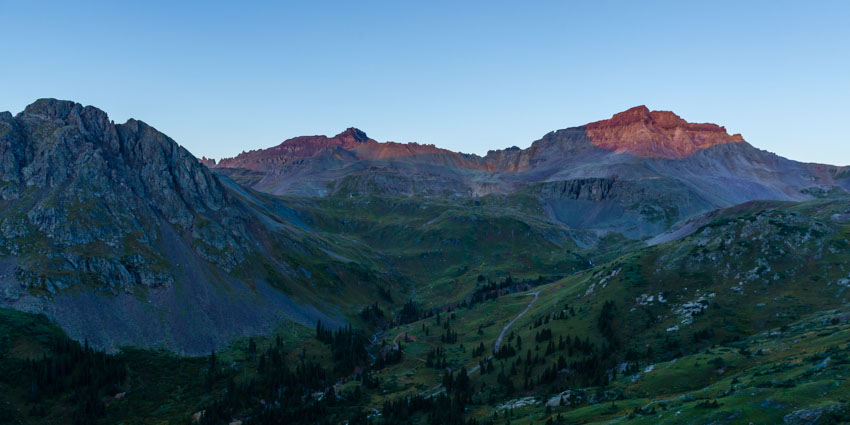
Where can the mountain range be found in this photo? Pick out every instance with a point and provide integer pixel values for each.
(634, 173)
(106, 226)
(640, 268)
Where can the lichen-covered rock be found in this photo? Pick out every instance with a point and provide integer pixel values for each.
(122, 237)
(76, 184)
(811, 416)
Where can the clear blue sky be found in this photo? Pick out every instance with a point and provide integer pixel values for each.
(222, 77)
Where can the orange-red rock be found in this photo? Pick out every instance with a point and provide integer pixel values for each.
(302, 147)
(656, 134)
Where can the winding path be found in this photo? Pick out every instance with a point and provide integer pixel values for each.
(437, 389)
(395, 340)
(505, 330)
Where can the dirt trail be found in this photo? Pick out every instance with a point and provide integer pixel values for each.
(435, 390)
(395, 340)
(505, 329)
(498, 342)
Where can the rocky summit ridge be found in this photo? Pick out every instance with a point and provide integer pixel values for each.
(637, 131)
(352, 140)
(660, 134)
(60, 157)
(123, 237)
(659, 167)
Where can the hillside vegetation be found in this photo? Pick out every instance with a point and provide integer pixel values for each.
(741, 319)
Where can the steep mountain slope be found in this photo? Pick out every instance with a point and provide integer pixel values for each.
(636, 173)
(123, 237)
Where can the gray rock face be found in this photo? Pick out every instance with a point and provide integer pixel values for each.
(812, 416)
(634, 207)
(124, 238)
(590, 189)
(83, 189)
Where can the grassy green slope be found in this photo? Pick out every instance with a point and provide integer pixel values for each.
(739, 275)
(441, 245)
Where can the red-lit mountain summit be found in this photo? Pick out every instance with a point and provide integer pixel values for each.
(646, 150)
(656, 134)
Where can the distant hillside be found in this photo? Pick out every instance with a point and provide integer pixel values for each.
(636, 173)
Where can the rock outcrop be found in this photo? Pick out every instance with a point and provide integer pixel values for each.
(124, 238)
(83, 189)
(656, 134)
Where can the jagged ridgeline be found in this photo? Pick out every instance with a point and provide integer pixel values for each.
(92, 196)
(124, 238)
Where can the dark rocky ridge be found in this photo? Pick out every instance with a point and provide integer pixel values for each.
(123, 237)
(61, 159)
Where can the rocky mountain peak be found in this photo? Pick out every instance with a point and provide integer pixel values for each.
(351, 135)
(53, 109)
(293, 149)
(66, 112)
(656, 134)
(77, 184)
(209, 162)
(92, 122)
(633, 114)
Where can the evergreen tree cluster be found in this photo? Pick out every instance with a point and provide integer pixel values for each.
(347, 344)
(436, 358)
(447, 407)
(487, 289)
(87, 374)
(410, 312)
(374, 315)
(388, 358)
(283, 391)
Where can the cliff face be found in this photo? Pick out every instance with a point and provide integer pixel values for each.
(77, 183)
(656, 134)
(123, 237)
